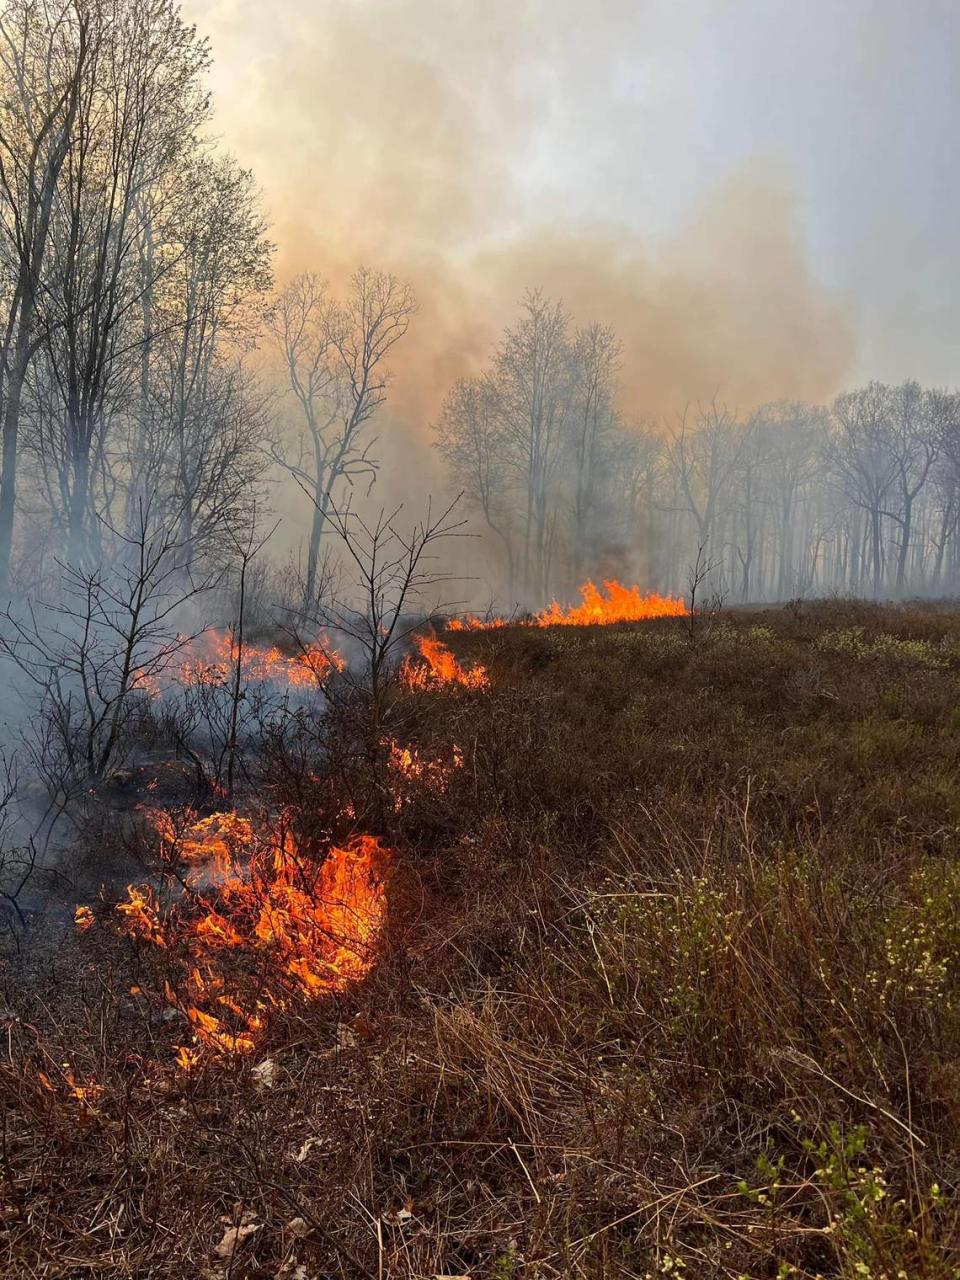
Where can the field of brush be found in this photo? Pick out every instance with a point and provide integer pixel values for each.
(668, 983)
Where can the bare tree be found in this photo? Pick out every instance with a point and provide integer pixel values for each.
(703, 455)
(471, 439)
(141, 104)
(914, 442)
(334, 351)
(44, 54)
(390, 586)
(200, 421)
(863, 460)
(596, 356)
(945, 415)
(90, 657)
(533, 380)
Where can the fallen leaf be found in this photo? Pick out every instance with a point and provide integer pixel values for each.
(265, 1073)
(397, 1217)
(304, 1150)
(234, 1236)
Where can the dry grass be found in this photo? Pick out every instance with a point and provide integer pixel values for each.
(671, 988)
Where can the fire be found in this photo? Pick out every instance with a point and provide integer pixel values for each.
(472, 623)
(619, 604)
(217, 661)
(221, 838)
(84, 1093)
(294, 926)
(84, 919)
(141, 915)
(439, 667)
(412, 771)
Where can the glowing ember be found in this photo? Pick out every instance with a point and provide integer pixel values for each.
(83, 918)
(216, 662)
(295, 926)
(84, 1093)
(439, 667)
(220, 838)
(618, 604)
(412, 772)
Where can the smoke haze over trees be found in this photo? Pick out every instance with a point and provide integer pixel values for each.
(792, 499)
(608, 408)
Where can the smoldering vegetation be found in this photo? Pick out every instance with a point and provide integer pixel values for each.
(463, 885)
(669, 984)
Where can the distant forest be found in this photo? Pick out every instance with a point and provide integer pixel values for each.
(136, 286)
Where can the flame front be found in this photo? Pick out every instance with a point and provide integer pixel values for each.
(439, 667)
(274, 924)
(218, 654)
(619, 604)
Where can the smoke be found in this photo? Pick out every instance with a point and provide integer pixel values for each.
(479, 148)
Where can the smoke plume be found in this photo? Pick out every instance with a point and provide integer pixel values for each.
(476, 149)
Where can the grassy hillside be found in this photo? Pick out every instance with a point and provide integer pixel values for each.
(671, 985)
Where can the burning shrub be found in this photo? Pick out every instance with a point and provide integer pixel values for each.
(412, 772)
(260, 923)
(215, 655)
(440, 668)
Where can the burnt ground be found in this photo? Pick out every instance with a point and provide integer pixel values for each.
(669, 984)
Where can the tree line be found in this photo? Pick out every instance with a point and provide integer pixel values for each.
(861, 496)
(132, 258)
(136, 281)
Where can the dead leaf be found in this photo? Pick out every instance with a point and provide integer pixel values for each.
(363, 1026)
(235, 1236)
(304, 1150)
(397, 1217)
(265, 1073)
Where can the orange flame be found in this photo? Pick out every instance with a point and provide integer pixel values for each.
(84, 1093)
(413, 771)
(439, 667)
(221, 838)
(218, 655)
(83, 918)
(296, 926)
(620, 604)
(141, 915)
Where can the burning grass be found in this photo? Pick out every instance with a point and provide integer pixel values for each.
(257, 924)
(670, 984)
(212, 658)
(438, 668)
(597, 607)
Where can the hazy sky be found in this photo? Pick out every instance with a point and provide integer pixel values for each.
(793, 158)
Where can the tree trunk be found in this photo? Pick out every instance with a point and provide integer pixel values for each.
(11, 431)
